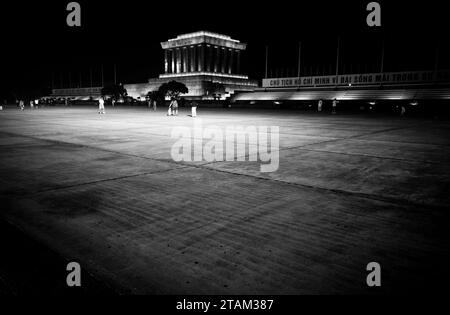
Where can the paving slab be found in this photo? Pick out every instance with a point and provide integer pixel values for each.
(103, 191)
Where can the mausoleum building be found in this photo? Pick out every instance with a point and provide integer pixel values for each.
(202, 61)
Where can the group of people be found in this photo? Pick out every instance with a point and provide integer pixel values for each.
(33, 104)
(401, 109)
(172, 110)
(333, 108)
(152, 104)
(173, 107)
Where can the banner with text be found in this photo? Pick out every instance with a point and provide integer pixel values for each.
(417, 77)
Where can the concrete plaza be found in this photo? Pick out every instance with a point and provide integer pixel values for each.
(104, 191)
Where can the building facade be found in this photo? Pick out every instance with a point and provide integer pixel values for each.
(202, 61)
(78, 94)
(385, 86)
(202, 52)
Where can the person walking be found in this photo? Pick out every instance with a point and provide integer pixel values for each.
(403, 110)
(319, 106)
(333, 111)
(101, 106)
(194, 105)
(154, 105)
(169, 111)
(21, 105)
(175, 107)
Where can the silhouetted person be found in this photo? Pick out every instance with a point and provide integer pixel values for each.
(175, 107)
(333, 111)
(403, 110)
(169, 111)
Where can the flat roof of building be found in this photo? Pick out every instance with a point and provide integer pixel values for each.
(201, 37)
(203, 33)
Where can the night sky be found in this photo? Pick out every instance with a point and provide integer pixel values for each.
(36, 42)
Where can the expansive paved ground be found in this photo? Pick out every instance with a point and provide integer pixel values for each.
(104, 191)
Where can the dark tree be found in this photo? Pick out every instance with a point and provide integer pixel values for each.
(115, 91)
(173, 89)
(28, 94)
(215, 89)
(155, 96)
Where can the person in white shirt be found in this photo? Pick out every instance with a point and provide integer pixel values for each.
(101, 106)
(194, 105)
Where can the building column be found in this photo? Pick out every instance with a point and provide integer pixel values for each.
(230, 61)
(217, 58)
(238, 62)
(198, 49)
(224, 59)
(172, 61)
(209, 50)
(193, 59)
(166, 61)
(178, 60)
(185, 60)
(201, 64)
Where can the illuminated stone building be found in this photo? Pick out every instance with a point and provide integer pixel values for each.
(201, 60)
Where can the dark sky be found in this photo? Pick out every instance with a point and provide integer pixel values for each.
(36, 42)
